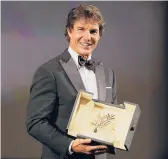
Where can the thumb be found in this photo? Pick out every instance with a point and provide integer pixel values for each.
(85, 141)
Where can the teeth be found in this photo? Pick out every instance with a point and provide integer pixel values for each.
(85, 44)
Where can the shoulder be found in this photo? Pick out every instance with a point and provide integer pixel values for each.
(53, 65)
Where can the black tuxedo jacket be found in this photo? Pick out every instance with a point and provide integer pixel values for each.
(52, 96)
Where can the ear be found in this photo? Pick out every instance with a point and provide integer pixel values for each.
(69, 32)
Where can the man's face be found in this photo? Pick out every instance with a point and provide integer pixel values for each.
(84, 36)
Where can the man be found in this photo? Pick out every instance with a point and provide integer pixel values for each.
(57, 82)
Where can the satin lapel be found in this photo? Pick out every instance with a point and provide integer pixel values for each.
(101, 83)
(72, 73)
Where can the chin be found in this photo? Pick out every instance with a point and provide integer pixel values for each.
(86, 52)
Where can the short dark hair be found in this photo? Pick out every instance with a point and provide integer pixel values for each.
(86, 12)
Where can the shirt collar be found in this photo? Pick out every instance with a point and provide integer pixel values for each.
(75, 55)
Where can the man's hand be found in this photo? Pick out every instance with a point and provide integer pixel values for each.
(82, 146)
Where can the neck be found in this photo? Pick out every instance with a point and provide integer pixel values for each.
(86, 56)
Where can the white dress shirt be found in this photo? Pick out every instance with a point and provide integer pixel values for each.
(88, 78)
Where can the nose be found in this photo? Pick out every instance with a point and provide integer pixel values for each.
(87, 36)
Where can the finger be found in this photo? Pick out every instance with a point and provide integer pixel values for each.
(101, 150)
(84, 149)
(85, 141)
(89, 153)
(102, 147)
(77, 142)
(94, 148)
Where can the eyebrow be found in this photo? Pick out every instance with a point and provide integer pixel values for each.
(95, 29)
(80, 27)
(91, 30)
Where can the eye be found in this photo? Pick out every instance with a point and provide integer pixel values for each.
(80, 29)
(93, 31)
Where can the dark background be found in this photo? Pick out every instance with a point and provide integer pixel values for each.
(133, 44)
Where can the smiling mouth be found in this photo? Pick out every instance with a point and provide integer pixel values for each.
(86, 44)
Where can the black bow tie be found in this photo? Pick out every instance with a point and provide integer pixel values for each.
(90, 64)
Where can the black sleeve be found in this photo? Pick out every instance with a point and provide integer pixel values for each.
(41, 104)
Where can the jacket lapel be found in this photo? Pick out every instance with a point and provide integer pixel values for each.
(71, 70)
(101, 83)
